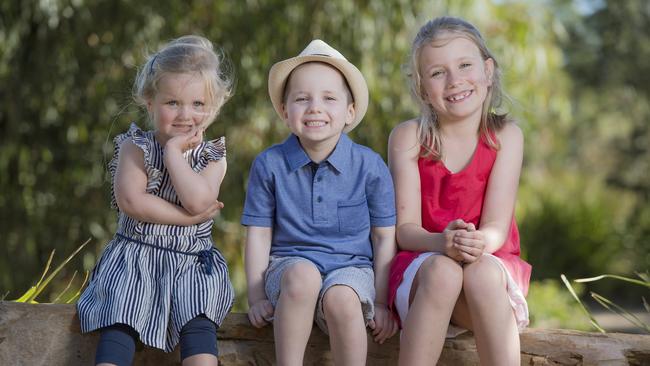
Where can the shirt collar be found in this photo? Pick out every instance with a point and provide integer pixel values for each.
(296, 156)
(340, 157)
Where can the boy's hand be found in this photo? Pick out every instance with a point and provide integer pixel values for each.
(261, 313)
(383, 325)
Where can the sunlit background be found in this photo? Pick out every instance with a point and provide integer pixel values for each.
(578, 73)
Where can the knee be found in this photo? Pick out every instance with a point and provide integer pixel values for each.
(440, 275)
(341, 304)
(483, 277)
(301, 281)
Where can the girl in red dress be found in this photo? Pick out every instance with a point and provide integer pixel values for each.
(456, 172)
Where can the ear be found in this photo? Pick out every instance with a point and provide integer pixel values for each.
(349, 114)
(285, 114)
(149, 105)
(489, 70)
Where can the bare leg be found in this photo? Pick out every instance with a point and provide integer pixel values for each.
(294, 313)
(202, 359)
(346, 326)
(435, 290)
(494, 324)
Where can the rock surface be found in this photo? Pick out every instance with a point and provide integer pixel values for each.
(48, 334)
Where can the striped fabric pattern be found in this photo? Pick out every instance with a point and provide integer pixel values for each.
(157, 291)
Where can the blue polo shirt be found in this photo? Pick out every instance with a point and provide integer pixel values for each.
(321, 212)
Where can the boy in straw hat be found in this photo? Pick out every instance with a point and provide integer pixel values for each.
(320, 214)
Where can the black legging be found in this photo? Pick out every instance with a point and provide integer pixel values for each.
(117, 342)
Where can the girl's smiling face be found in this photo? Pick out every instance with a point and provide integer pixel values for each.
(179, 105)
(455, 78)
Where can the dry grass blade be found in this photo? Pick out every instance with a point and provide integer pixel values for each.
(626, 279)
(608, 304)
(34, 291)
(592, 320)
(57, 269)
(76, 295)
(56, 299)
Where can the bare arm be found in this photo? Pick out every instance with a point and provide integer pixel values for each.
(256, 261)
(403, 153)
(196, 191)
(501, 193)
(499, 201)
(133, 199)
(384, 248)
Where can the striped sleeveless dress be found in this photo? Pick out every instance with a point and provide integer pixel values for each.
(153, 277)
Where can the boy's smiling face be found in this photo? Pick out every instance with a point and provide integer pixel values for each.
(317, 105)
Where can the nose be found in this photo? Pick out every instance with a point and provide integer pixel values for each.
(453, 78)
(184, 112)
(315, 105)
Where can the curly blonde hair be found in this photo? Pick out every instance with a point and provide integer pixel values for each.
(187, 54)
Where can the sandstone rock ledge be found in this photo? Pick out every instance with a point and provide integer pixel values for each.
(47, 334)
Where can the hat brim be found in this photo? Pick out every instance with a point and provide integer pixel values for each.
(358, 87)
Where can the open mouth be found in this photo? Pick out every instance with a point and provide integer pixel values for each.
(314, 123)
(459, 97)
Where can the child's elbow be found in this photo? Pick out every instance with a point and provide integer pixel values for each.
(197, 207)
(127, 204)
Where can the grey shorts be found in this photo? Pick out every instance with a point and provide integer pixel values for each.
(361, 280)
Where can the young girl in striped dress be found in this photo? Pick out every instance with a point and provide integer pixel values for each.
(160, 280)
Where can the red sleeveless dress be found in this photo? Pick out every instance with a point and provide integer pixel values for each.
(447, 196)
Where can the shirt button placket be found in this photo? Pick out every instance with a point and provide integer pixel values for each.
(319, 204)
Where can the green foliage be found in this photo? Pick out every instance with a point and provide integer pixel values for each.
(570, 238)
(578, 81)
(550, 306)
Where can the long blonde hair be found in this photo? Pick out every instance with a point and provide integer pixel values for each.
(428, 126)
(187, 54)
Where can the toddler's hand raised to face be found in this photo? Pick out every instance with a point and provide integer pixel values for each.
(186, 141)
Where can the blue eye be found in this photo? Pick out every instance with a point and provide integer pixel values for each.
(465, 64)
(198, 104)
(172, 103)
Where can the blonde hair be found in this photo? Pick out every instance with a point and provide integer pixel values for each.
(428, 127)
(188, 54)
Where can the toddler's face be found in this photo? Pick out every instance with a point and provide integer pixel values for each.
(179, 106)
(316, 108)
(455, 78)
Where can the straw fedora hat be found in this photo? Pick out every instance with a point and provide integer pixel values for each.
(319, 51)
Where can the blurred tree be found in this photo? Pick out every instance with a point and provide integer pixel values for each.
(66, 68)
(607, 48)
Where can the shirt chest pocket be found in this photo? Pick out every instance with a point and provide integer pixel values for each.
(353, 216)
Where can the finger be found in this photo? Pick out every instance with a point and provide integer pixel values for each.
(270, 312)
(459, 224)
(372, 324)
(394, 328)
(378, 336)
(471, 227)
(470, 250)
(468, 258)
(261, 320)
(252, 316)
